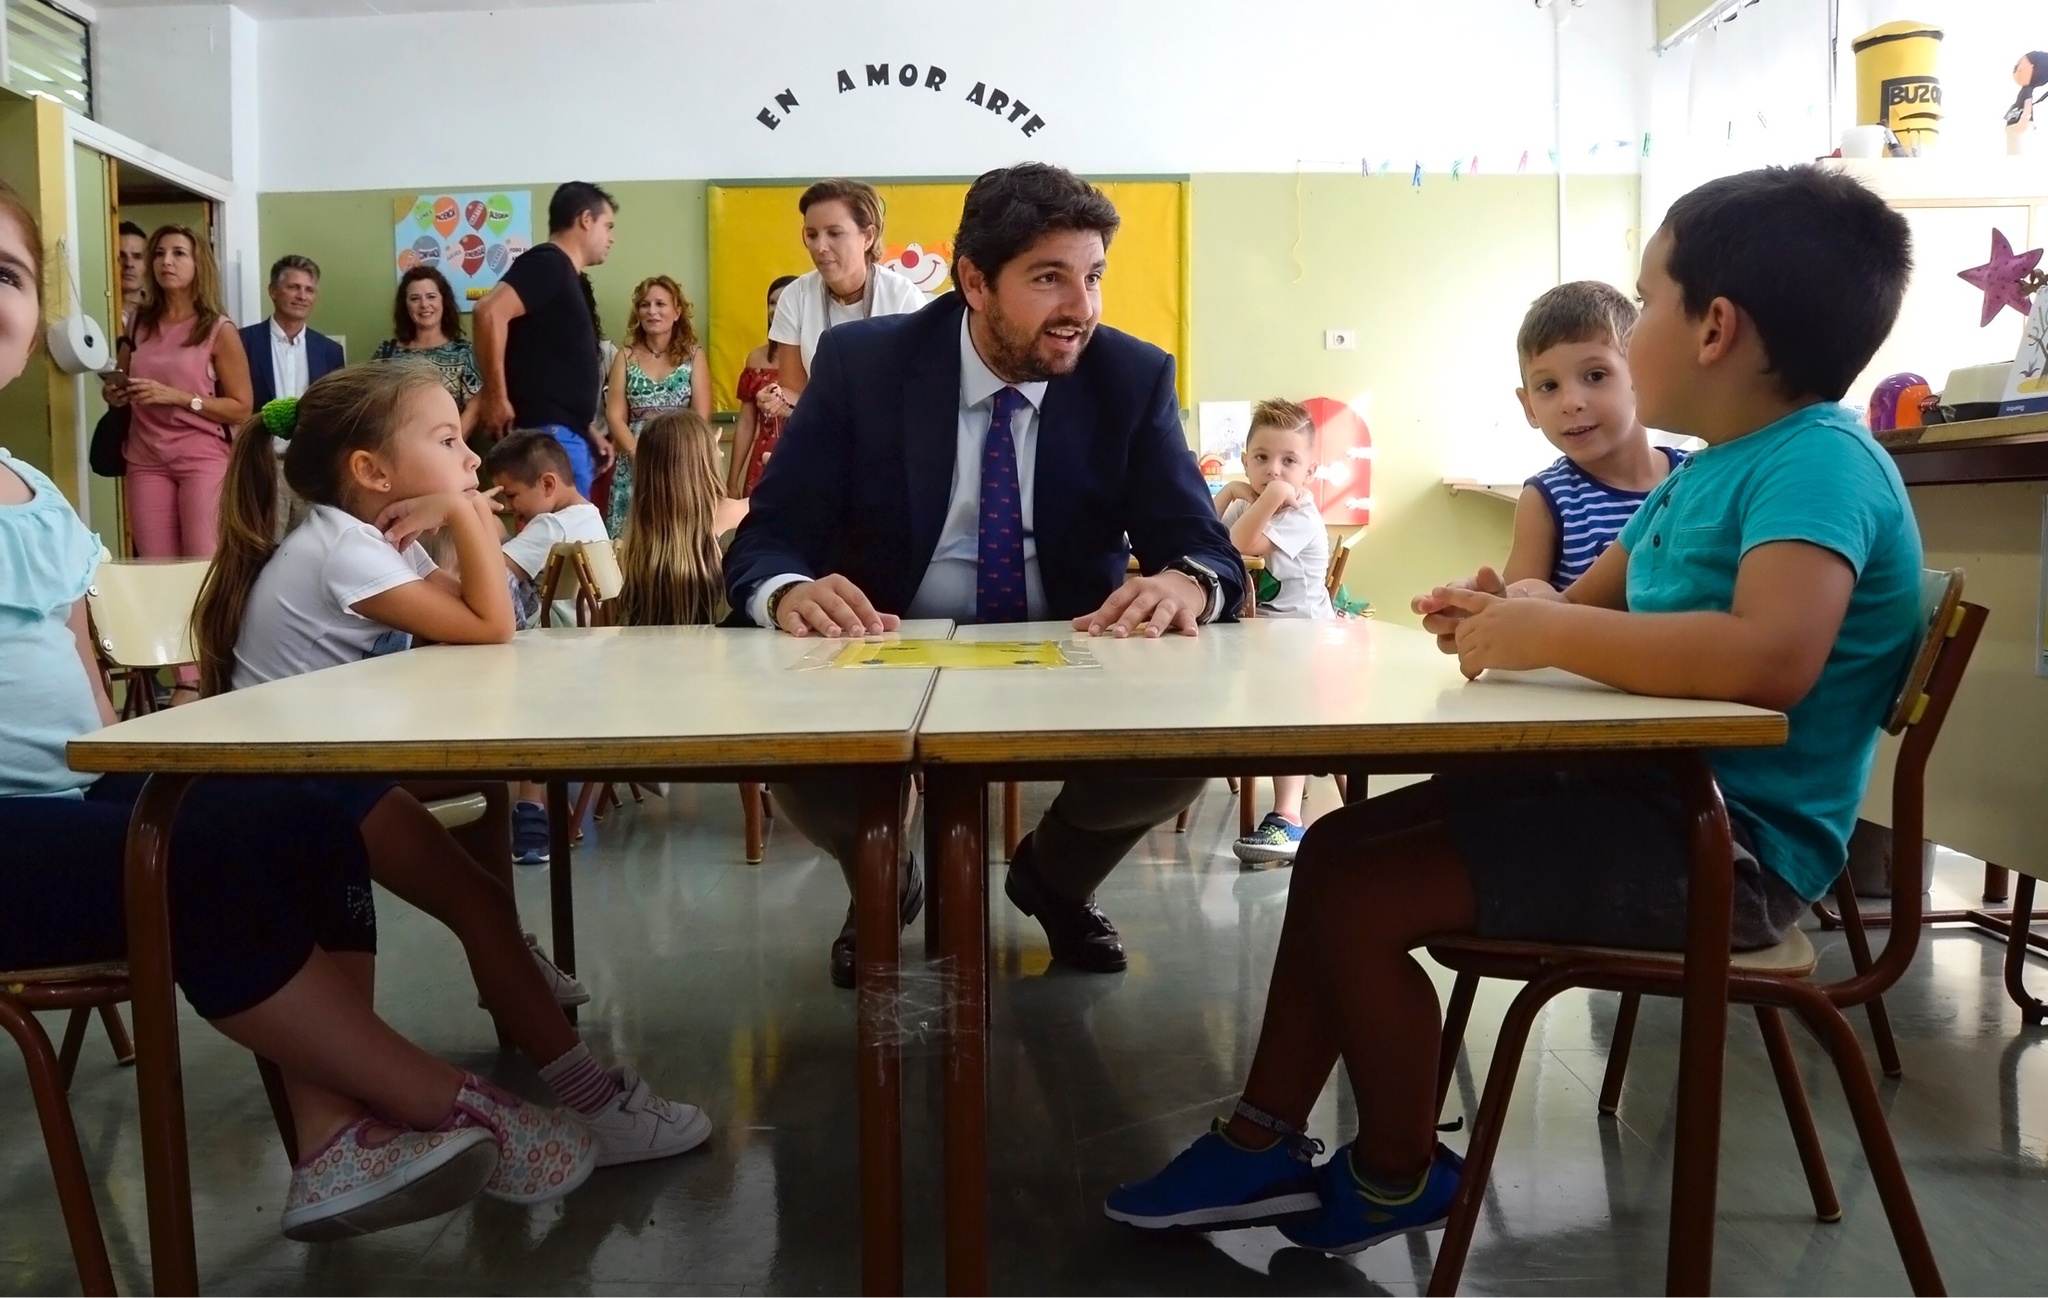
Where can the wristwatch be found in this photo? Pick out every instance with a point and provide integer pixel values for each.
(198, 405)
(1205, 576)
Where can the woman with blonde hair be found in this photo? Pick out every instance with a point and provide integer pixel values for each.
(185, 379)
(671, 558)
(661, 368)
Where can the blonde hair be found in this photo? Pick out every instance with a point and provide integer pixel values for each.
(1285, 415)
(350, 410)
(206, 298)
(682, 339)
(672, 571)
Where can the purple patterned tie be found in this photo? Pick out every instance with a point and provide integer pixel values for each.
(999, 579)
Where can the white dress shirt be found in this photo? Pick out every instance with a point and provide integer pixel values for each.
(947, 590)
(288, 360)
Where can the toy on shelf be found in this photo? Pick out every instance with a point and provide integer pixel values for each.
(2009, 279)
(2029, 74)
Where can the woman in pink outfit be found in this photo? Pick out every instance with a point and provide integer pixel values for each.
(186, 379)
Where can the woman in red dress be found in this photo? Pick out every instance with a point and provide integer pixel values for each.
(762, 410)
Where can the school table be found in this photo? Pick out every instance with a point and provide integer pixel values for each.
(683, 703)
(1361, 696)
(1980, 494)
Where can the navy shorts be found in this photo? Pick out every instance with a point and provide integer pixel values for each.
(1597, 858)
(261, 872)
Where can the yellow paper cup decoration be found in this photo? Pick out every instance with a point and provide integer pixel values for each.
(1897, 85)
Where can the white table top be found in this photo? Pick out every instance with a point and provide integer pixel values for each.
(664, 698)
(1277, 687)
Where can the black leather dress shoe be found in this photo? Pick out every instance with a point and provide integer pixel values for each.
(1079, 934)
(912, 894)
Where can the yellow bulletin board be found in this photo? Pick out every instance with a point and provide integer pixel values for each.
(756, 235)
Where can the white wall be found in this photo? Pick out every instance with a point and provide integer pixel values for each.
(640, 91)
(165, 78)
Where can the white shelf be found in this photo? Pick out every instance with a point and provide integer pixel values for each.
(1508, 491)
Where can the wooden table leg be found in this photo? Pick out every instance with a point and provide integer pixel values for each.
(957, 808)
(1703, 1035)
(878, 1050)
(159, 1082)
(561, 883)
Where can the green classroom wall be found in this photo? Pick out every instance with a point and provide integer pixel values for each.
(1434, 281)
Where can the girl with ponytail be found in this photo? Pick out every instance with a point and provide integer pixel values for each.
(377, 453)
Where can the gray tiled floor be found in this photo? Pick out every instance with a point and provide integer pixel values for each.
(709, 975)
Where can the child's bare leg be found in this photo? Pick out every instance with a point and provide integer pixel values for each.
(423, 865)
(1371, 881)
(489, 840)
(1288, 792)
(338, 1057)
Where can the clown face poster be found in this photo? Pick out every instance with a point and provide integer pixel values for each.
(469, 237)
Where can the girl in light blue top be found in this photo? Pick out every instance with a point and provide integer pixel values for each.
(279, 959)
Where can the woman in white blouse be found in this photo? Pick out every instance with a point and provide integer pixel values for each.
(843, 234)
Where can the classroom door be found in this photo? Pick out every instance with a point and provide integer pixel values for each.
(98, 277)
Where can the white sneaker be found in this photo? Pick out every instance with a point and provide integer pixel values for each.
(638, 1124)
(568, 992)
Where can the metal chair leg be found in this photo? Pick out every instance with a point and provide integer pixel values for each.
(2031, 1009)
(1457, 1016)
(1879, 1152)
(117, 1035)
(280, 1106)
(1859, 955)
(75, 1025)
(60, 1140)
(1617, 1052)
(1799, 1113)
(753, 811)
(1486, 1129)
(1247, 813)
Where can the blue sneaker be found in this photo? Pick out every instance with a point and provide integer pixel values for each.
(529, 834)
(1217, 1185)
(1275, 839)
(1352, 1219)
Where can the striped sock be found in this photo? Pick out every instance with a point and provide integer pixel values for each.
(579, 1082)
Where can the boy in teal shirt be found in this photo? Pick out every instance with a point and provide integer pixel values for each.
(1779, 567)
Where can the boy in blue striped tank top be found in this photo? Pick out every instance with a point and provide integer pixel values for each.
(1576, 389)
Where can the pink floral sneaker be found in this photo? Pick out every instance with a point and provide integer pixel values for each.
(375, 1174)
(542, 1153)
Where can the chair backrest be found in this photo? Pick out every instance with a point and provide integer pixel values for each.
(586, 572)
(1941, 594)
(142, 612)
(1950, 636)
(1340, 555)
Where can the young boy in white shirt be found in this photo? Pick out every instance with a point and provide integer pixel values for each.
(537, 483)
(1272, 515)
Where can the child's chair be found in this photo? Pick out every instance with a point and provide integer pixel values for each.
(80, 989)
(141, 617)
(1771, 980)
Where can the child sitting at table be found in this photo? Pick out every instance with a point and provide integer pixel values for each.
(1272, 515)
(670, 557)
(273, 922)
(376, 451)
(535, 480)
(1575, 388)
(1780, 567)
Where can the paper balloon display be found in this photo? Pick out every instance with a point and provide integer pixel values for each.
(497, 258)
(1343, 482)
(474, 214)
(499, 213)
(514, 247)
(427, 250)
(423, 213)
(446, 215)
(407, 260)
(469, 254)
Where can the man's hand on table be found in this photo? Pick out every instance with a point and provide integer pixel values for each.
(831, 606)
(1166, 601)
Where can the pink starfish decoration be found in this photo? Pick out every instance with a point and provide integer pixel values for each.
(2007, 280)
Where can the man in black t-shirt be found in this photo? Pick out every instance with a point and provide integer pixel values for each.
(536, 338)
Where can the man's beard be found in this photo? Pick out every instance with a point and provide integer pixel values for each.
(1016, 350)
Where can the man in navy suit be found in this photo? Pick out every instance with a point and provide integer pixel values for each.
(995, 457)
(285, 354)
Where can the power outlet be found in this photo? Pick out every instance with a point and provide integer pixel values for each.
(1340, 340)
